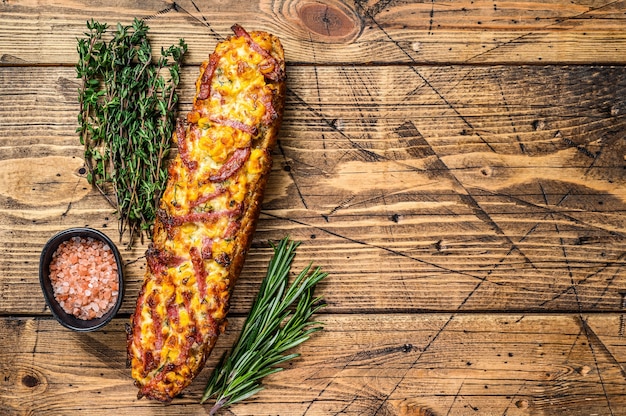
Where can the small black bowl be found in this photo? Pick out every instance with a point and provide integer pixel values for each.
(69, 320)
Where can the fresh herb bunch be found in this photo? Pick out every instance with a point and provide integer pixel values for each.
(278, 321)
(127, 112)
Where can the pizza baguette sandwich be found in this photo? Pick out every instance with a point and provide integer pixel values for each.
(207, 213)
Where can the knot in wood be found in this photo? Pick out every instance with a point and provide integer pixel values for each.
(333, 23)
(30, 381)
(522, 404)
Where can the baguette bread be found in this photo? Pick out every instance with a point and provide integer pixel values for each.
(207, 213)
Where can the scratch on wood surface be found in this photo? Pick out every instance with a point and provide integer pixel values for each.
(552, 214)
(69, 204)
(622, 317)
(468, 199)
(364, 397)
(594, 340)
(609, 281)
(376, 8)
(508, 111)
(36, 343)
(358, 85)
(520, 403)
(439, 165)
(568, 266)
(454, 399)
(368, 123)
(563, 247)
(162, 11)
(544, 28)
(466, 195)
(202, 20)
(562, 214)
(373, 354)
(404, 375)
(369, 400)
(318, 91)
(287, 167)
(365, 243)
(426, 81)
(326, 121)
(345, 203)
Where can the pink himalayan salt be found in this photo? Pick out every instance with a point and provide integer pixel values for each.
(83, 273)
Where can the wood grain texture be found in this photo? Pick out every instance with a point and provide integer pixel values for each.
(458, 167)
(398, 364)
(504, 185)
(336, 31)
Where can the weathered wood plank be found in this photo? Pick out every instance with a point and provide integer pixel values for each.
(337, 31)
(359, 365)
(467, 198)
(445, 188)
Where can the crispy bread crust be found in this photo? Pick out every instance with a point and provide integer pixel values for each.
(208, 212)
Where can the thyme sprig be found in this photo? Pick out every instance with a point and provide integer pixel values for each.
(127, 111)
(278, 321)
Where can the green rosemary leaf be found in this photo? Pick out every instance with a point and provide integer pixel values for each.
(279, 320)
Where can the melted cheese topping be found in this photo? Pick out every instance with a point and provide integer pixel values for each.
(185, 299)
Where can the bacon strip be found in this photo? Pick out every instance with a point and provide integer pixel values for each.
(206, 197)
(157, 324)
(205, 216)
(207, 77)
(149, 363)
(270, 112)
(200, 271)
(207, 248)
(171, 222)
(187, 302)
(236, 124)
(272, 69)
(183, 150)
(172, 311)
(155, 264)
(149, 389)
(231, 229)
(232, 165)
(159, 260)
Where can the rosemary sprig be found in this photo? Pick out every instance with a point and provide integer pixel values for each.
(278, 321)
(126, 119)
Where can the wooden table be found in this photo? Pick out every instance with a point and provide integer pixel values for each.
(457, 167)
